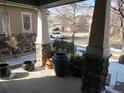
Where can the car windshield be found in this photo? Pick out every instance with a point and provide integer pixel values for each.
(56, 33)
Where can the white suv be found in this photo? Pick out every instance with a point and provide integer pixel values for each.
(56, 34)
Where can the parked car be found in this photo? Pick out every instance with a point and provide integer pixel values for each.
(56, 34)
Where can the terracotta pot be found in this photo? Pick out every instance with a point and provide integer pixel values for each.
(49, 64)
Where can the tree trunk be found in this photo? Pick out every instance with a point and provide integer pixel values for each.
(73, 40)
(122, 42)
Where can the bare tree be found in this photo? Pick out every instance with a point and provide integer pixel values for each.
(114, 24)
(74, 7)
(68, 16)
(118, 8)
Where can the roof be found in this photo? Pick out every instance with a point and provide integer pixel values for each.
(47, 3)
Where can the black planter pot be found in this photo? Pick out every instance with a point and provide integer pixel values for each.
(4, 70)
(28, 65)
(60, 64)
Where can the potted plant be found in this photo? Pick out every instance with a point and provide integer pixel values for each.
(60, 63)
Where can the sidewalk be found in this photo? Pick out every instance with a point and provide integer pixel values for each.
(20, 59)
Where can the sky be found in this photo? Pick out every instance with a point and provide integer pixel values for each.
(81, 11)
(91, 2)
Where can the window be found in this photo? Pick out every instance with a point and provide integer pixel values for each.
(26, 22)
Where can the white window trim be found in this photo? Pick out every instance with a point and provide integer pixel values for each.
(6, 28)
(30, 15)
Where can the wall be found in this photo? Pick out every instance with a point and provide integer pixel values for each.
(16, 19)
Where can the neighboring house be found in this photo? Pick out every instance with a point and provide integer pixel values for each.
(20, 29)
(84, 22)
(22, 20)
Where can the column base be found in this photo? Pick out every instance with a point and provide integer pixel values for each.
(42, 53)
(95, 71)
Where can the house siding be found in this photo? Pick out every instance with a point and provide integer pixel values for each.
(16, 19)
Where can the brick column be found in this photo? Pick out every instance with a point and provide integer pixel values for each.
(96, 58)
(42, 40)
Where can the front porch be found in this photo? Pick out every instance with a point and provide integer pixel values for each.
(96, 59)
(44, 81)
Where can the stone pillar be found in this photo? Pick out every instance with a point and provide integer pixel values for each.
(96, 58)
(42, 40)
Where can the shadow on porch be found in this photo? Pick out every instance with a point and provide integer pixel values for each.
(46, 84)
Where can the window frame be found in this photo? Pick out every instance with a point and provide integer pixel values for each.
(30, 20)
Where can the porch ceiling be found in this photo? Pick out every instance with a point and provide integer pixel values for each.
(47, 3)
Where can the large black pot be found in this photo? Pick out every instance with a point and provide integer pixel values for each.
(4, 70)
(60, 64)
(28, 65)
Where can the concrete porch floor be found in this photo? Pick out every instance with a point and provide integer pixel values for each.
(39, 81)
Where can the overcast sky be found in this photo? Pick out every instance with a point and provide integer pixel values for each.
(81, 11)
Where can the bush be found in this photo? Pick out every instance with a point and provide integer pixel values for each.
(65, 46)
(75, 65)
